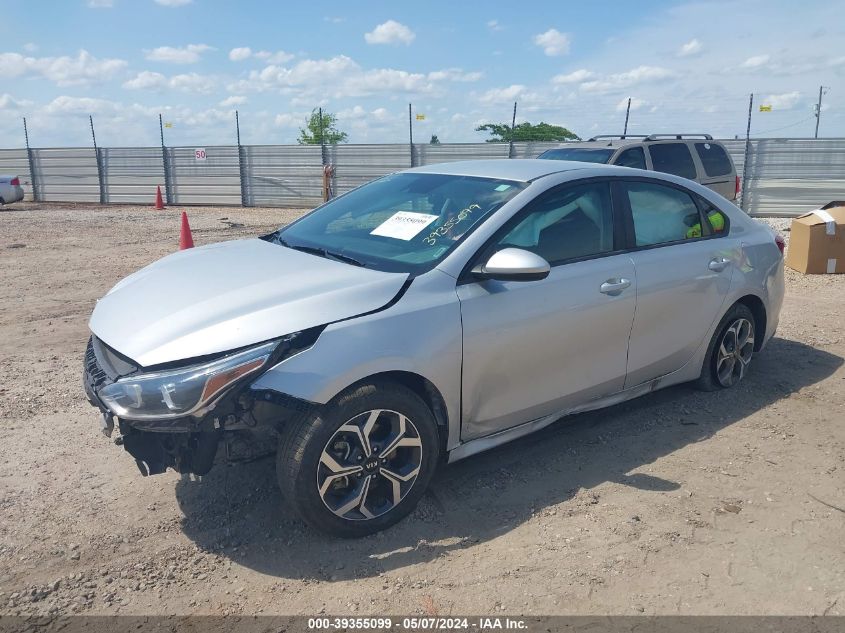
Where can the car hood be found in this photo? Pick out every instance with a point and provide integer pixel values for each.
(228, 295)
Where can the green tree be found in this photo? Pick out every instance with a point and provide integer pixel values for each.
(501, 132)
(434, 140)
(310, 134)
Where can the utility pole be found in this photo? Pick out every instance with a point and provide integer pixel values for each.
(513, 127)
(742, 202)
(818, 111)
(411, 134)
(98, 158)
(627, 112)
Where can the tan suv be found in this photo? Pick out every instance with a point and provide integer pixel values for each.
(694, 156)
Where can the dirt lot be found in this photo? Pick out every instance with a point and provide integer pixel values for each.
(679, 502)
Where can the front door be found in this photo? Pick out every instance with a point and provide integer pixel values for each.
(535, 348)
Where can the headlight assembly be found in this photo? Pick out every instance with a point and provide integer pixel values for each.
(179, 392)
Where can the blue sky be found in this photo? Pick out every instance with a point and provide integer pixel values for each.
(687, 66)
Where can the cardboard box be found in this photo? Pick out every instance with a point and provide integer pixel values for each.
(817, 241)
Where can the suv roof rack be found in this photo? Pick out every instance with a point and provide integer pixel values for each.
(619, 136)
(657, 137)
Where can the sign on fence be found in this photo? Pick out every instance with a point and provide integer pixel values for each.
(199, 153)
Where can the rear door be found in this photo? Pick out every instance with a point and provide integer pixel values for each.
(683, 270)
(716, 169)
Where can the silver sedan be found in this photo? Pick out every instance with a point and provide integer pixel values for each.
(427, 316)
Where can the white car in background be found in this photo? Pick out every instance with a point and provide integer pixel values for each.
(10, 189)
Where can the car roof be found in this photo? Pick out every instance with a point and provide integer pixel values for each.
(518, 169)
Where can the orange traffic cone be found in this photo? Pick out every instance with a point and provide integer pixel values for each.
(186, 240)
(159, 202)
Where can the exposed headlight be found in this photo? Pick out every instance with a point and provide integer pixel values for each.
(178, 392)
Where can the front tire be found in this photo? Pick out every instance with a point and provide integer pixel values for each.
(360, 463)
(730, 351)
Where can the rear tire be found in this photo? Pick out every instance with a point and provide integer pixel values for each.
(730, 350)
(360, 463)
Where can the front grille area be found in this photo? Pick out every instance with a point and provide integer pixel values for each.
(94, 374)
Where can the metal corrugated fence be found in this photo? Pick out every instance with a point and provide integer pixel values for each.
(785, 176)
(131, 174)
(282, 175)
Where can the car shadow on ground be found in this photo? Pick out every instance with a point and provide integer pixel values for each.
(238, 512)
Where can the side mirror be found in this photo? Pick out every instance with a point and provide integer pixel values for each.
(513, 264)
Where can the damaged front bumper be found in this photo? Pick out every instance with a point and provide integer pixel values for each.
(190, 444)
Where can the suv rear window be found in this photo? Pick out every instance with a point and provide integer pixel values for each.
(673, 158)
(714, 158)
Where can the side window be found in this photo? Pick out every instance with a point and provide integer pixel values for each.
(632, 157)
(672, 158)
(714, 158)
(576, 221)
(662, 214)
(716, 222)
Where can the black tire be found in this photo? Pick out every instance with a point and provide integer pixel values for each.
(302, 446)
(710, 379)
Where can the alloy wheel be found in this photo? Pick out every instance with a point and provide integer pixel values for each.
(735, 351)
(369, 465)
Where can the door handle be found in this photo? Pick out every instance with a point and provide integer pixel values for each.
(719, 264)
(614, 286)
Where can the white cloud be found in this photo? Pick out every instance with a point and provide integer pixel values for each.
(241, 53)
(290, 120)
(494, 25)
(341, 77)
(279, 57)
(334, 19)
(189, 54)
(390, 32)
(756, 61)
(100, 4)
(553, 42)
(81, 70)
(233, 100)
(690, 49)
(173, 3)
(8, 102)
(454, 74)
(79, 105)
(640, 74)
(576, 76)
(498, 95)
(636, 104)
(191, 82)
(30, 47)
(785, 101)
(146, 80)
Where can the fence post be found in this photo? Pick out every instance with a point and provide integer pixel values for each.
(164, 161)
(240, 160)
(31, 162)
(99, 162)
(742, 201)
(411, 134)
(513, 127)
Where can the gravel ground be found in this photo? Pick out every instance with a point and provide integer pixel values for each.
(679, 502)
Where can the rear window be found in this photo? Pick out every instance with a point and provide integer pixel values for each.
(714, 158)
(581, 154)
(673, 158)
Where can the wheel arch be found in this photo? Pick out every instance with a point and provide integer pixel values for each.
(758, 309)
(421, 386)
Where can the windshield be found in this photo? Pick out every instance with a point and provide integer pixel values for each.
(582, 154)
(400, 223)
